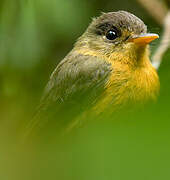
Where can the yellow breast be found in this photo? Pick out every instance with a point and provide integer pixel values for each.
(130, 80)
(129, 83)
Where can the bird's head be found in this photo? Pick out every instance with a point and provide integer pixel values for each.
(116, 34)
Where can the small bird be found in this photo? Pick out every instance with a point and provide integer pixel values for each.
(107, 68)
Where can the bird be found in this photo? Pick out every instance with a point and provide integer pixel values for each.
(108, 67)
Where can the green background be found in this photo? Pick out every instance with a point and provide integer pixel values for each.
(34, 36)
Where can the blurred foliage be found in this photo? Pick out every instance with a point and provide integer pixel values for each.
(167, 3)
(34, 36)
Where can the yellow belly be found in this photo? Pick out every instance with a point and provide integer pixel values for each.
(131, 80)
(126, 84)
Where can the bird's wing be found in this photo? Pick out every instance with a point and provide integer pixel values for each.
(74, 85)
(76, 75)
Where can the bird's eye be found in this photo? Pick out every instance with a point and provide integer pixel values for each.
(111, 34)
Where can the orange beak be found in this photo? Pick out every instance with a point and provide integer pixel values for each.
(144, 38)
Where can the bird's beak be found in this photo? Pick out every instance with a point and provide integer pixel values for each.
(144, 38)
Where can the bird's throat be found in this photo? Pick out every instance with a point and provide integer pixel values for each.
(134, 56)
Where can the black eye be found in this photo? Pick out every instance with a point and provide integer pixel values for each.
(112, 34)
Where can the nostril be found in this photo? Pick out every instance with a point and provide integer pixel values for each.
(127, 38)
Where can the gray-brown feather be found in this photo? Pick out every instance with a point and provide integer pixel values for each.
(74, 86)
(77, 73)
